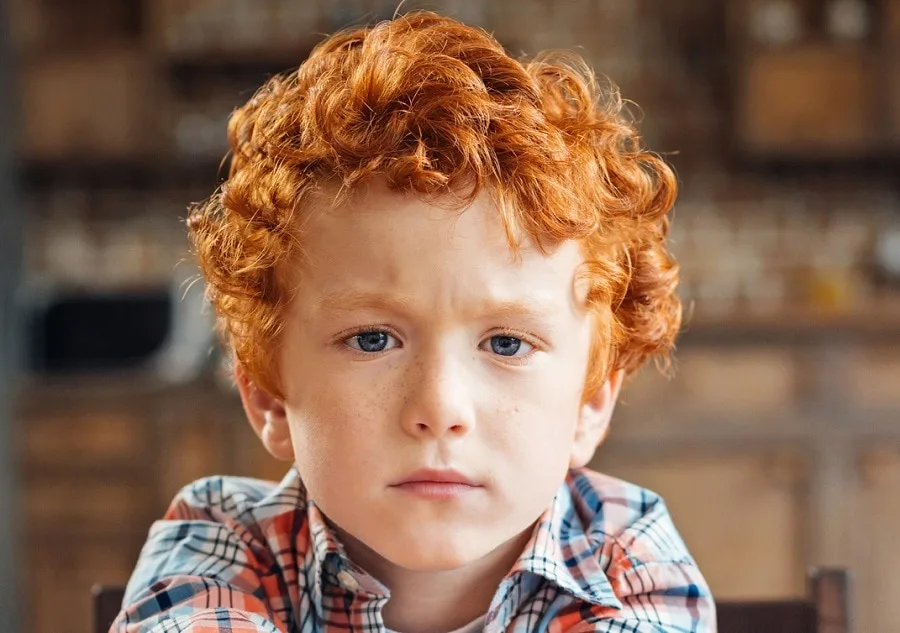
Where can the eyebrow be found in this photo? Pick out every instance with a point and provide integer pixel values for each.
(349, 300)
(532, 310)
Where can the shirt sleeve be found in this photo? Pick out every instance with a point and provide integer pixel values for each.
(200, 571)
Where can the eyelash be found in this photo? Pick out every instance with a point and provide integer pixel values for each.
(342, 338)
(523, 336)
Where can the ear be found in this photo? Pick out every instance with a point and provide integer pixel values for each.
(593, 422)
(267, 416)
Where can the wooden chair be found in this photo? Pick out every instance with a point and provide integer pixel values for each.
(107, 604)
(826, 610)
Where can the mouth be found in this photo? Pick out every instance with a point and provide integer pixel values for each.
(436, 484)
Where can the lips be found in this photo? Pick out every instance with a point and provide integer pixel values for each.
(428, 475)
(436, 485)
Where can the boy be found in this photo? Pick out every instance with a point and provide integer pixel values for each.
(434, 267)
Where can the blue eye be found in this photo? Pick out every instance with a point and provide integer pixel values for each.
(372, 342)
(503, 345)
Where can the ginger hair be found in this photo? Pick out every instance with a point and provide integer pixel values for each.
(438, 109)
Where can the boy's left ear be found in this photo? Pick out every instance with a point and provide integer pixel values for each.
(593, 422)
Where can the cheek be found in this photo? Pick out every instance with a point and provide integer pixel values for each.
(336, 425)
(530, 452)
(550, 409)
(535, 424)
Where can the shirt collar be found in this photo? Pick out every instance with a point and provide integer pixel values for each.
(325, 552)
(330, 561)
(562, 552)
(559, 551)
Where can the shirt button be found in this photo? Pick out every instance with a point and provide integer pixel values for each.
(348, 581)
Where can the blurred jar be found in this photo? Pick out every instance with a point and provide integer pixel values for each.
(848, 19)
(776, 23)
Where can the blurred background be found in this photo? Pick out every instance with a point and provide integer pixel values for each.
(776, 445)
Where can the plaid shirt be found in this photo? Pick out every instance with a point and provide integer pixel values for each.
(241, 555)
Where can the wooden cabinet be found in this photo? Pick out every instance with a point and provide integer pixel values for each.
(878, 584)
(814, 81)
(735, 512)
(102, 458)
(807, 101)
(87, 498)
(802, 469)
(874, 380)
(104, 111)
(892, 88)
(890, 22)
(59, 578)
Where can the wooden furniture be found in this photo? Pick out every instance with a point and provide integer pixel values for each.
(107, 603)
(101, 459)
(785, 55)
(826, 610)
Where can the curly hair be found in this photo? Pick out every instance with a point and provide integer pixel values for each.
(438, 109)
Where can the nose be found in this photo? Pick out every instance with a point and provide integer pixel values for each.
(440, 400)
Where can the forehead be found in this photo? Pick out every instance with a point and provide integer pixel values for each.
(387, 242)
(382, 212)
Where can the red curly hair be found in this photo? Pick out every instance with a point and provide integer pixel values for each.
(437, 108)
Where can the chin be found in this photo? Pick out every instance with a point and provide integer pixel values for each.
(433, 555)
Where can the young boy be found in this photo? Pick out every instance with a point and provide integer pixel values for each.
(434, 267)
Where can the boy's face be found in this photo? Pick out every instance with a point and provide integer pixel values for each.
(416, 342)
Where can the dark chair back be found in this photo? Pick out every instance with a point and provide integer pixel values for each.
(767, 617)
(107, 604)
(826, 610)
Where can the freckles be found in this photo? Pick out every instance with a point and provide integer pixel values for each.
(505, 421)
(403, 390)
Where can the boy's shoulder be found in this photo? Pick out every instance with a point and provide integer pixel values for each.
(238, 500)
(622, 518)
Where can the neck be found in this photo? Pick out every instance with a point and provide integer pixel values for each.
(440, 600)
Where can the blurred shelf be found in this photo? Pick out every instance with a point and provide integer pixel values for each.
(125, 173)
(879, 165)
(875, 322)
(246, 69)
(263, 60)
(136, 386)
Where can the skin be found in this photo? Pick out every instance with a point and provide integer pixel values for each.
(417, 340)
